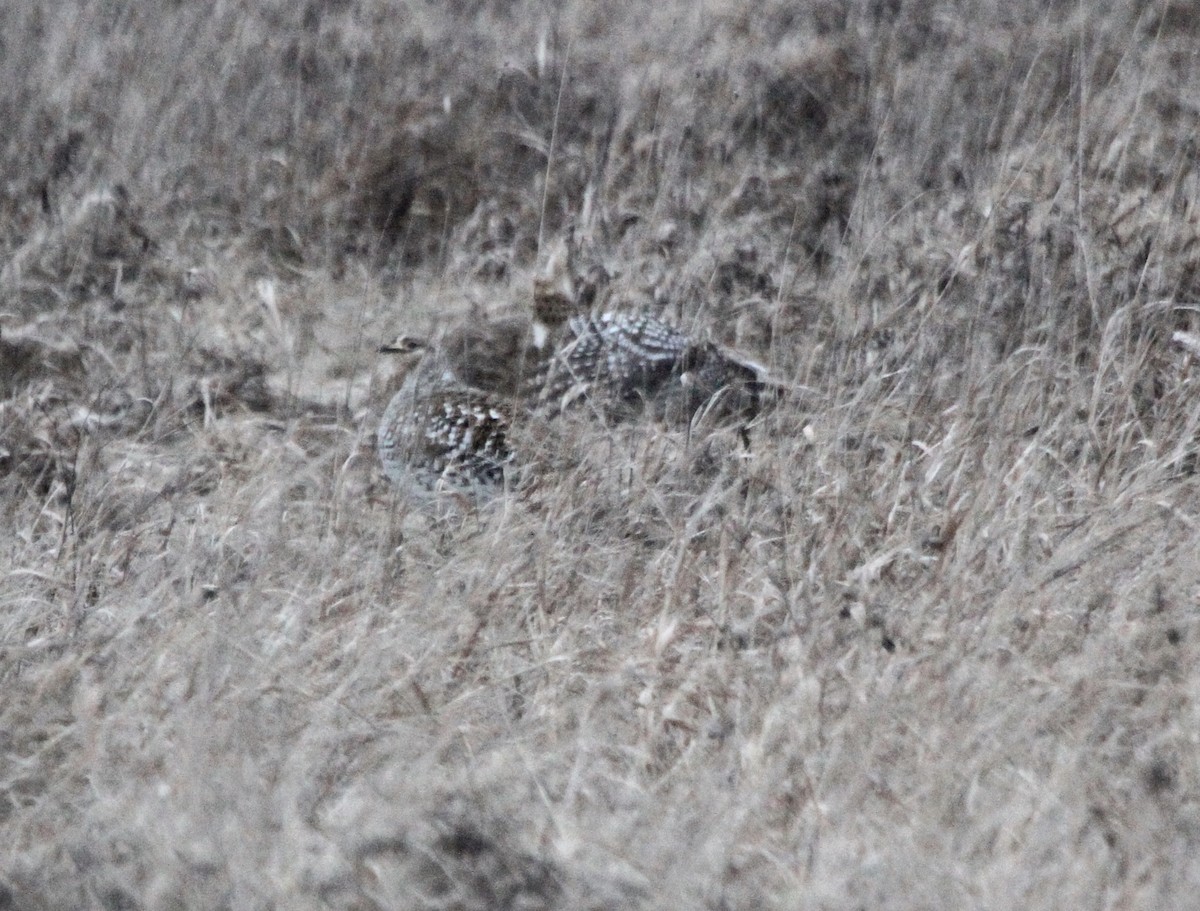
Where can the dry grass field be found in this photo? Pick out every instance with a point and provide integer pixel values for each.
(929, 640)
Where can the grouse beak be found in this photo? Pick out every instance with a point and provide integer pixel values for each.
(403, 344)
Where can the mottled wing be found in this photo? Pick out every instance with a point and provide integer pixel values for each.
(644, 338)
(570, 372)
(465, 440)
(619, 359)
(452, 437)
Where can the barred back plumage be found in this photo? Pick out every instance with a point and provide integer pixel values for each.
(622, 361)
(615, 360)
(439, 434)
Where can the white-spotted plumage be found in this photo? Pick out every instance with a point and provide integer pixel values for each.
(621, 361)
(616, 360)
(438, 434)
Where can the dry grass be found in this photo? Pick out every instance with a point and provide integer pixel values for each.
(929, 642)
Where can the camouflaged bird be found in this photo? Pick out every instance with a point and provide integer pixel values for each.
(438, 434)
(623, 362)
